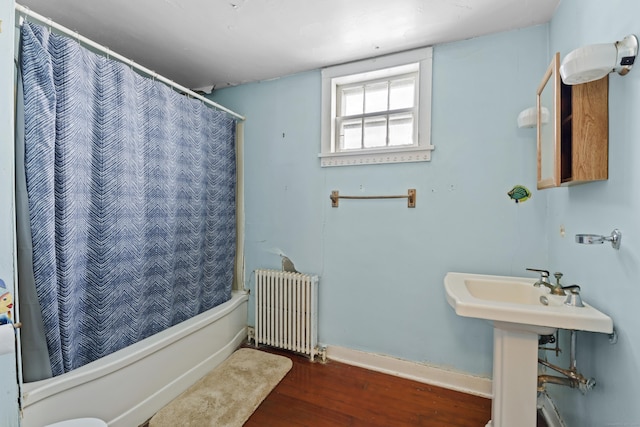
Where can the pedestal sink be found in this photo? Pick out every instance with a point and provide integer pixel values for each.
(519, 313)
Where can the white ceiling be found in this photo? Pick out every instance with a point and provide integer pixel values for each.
(204, 43)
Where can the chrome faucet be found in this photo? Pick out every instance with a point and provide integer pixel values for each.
(544, 281)
(544, 278)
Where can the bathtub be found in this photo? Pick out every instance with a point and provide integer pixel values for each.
(127, 387)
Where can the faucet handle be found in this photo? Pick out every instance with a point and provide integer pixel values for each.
(573, 297)
(543, 273)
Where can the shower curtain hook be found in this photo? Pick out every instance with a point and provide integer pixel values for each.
(78, 37)
(25, 15)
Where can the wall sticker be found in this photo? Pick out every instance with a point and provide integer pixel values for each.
(519, 193)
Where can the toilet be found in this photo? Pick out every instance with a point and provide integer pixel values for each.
(80, 422)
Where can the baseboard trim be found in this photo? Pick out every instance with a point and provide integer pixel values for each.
(470, 384)
(549, 411)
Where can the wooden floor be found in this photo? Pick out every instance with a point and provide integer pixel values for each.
(335, 394)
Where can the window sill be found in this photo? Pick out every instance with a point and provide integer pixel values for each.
(370, 157)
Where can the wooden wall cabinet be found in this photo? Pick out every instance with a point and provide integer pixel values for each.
(573, 130)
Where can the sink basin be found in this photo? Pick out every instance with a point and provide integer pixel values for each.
(514, 300)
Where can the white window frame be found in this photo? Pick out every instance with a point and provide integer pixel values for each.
(371, 69)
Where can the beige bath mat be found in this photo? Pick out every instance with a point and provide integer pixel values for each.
(229, 394)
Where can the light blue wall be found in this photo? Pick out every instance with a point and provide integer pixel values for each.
(610, 279)
(8, 383)
(382, 264)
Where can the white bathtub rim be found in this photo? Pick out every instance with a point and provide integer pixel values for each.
(182, 382)
(35, 391)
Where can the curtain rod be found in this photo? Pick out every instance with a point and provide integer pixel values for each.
(130, 62)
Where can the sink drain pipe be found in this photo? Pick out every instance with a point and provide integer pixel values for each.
(572, 378)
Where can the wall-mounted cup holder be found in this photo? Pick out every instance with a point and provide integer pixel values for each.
(592, 239)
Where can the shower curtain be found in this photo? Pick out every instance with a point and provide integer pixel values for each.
(131, 199)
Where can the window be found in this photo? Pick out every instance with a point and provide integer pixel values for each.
(376, 113)
(378, 110)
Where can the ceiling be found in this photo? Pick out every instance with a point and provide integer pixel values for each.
(205, 43)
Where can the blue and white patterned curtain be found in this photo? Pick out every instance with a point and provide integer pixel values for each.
(131, 193)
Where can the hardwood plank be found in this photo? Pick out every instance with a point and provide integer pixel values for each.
(336, 394)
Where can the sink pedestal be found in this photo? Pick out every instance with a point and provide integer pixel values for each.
(515, 375)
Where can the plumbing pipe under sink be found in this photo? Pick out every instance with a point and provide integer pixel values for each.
(572, 378)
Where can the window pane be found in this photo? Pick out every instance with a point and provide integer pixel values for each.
(351, 134)
(375, 132)
(352, 101)
(401, 129)
(376, 97)
(402, 94)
